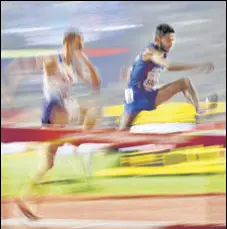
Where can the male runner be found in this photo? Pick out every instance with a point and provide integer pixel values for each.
(60, 73)
(142, 93)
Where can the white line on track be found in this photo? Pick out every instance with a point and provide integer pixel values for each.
(76, 224)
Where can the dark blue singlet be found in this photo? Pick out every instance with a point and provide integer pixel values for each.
(141, 94)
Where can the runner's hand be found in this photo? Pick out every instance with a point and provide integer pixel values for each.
(206, 67)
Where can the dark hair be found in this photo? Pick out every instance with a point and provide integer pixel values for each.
(163, 29)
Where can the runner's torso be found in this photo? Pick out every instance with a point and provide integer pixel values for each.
(144, 75)
(61, 84)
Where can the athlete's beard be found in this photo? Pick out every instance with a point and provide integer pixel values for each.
(162, 48)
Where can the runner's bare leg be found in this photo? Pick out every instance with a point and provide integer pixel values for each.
(182, 85)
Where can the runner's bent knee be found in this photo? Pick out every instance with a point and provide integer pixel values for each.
(185, 83)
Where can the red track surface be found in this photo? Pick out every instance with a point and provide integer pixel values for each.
(195, 210)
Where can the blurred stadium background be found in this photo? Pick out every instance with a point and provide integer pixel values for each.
(200, 30)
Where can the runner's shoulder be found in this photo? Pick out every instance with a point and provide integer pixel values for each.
(49, 61)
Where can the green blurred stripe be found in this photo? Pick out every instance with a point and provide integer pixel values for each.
(26, 53)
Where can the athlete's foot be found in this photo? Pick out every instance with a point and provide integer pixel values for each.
(26, 211)
(211, 104)
(203, 113)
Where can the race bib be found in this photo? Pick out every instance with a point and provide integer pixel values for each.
(152, 79)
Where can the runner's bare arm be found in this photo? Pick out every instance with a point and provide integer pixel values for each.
(78, 68)
(19, 69)
(50, 66)
(21, 65)
(153, 55)
(94, 79)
